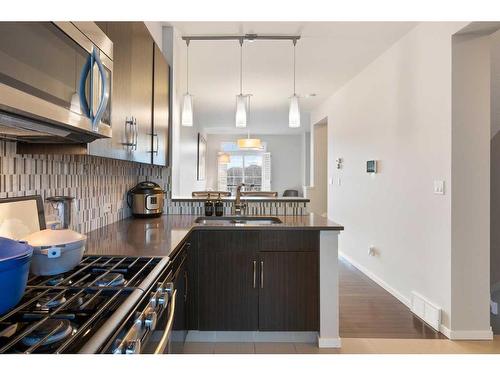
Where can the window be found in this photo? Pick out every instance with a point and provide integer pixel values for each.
(249, 167)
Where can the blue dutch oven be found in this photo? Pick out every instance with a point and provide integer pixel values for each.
(15, 258)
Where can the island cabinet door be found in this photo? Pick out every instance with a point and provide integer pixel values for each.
(289, 291)
(228, 288)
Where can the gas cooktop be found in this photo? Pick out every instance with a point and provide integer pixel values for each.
(62, 313)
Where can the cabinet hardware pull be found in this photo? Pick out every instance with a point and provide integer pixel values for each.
(261, 274)
(254, 274)
(185, 286)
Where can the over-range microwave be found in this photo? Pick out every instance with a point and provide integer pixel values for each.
(55, 82)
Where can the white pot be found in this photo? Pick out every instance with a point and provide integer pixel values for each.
(55, 251)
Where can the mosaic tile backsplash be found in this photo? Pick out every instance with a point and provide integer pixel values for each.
(94, 182)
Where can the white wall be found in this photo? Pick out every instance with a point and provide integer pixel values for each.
(495, 162)
(470, 205)
(184, 139)
(397, 111)
(287, 159)
(156, 31)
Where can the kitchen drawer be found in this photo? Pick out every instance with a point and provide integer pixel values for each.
(289, 240)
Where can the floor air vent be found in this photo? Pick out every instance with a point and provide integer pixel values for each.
(425, 310)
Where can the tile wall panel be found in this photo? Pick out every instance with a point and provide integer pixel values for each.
(93, 181)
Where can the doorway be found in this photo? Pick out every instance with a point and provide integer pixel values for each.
(318, 191)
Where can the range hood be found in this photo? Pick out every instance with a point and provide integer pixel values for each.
(19, 128)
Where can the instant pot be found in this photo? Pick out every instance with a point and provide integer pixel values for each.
(146, 199)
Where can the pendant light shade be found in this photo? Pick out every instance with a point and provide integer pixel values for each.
(224, 158)
(187, 102)
(187, 110)
(294, 112)
(242, 101)
(249, 143)
(242, 104)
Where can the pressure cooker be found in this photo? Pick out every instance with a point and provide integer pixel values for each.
(146, 199)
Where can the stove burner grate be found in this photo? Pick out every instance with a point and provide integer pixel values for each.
(111, 279)
(49, 332)
(50, 300)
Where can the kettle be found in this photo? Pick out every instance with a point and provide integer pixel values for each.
(146, 199)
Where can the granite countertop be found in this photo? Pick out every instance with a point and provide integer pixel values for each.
(162, 236)
(244, 198)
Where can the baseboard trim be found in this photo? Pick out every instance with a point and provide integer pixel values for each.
(252, 336)
(445, 330)
(471, 335)
(406, 301)
(449, 333)
(329, 342)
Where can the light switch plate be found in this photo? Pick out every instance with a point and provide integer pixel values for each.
(439, 187)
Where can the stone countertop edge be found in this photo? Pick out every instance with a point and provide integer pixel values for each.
(163, 236)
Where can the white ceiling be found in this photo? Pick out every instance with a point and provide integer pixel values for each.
(328, 55)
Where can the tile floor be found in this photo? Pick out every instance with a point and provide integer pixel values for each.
(352, 346)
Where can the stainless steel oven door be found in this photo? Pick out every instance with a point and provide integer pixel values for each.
(58, 72)
(152, 328)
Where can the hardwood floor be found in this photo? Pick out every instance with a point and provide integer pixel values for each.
(368, 311)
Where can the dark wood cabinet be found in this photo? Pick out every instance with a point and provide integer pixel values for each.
(289, 294)
(228, 296)
(246, 281)
(161, 97)
(140, 97)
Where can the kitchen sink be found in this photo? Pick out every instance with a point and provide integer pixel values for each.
(243, 220)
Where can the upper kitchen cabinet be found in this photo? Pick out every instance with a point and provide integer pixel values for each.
(140, 97)
(161, 90)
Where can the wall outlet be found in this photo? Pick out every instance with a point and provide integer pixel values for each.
(371, 251)
(106, 208)
(439, 187)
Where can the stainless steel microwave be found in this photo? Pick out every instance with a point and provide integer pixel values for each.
(55, 82)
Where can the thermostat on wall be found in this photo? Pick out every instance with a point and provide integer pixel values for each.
(371, 166)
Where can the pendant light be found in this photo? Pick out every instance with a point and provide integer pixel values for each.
(187, 102)
(224, 158)
(249, 143)
(242, 101)
(294, 110)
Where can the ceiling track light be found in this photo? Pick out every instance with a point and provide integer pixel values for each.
(187, 101)
(294, 108)
(243, 101)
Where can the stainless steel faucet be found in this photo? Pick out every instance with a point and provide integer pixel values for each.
(238, 206)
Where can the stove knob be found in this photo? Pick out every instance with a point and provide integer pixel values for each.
(133, 347)
(161, 299)
(150, 320)
(153, 301)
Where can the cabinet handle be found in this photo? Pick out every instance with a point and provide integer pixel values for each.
(254, 274)
(261, 274)
(185, 286)
(155, 151)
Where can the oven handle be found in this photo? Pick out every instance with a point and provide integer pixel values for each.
(104, 92)
(168, 330)
(84, 104)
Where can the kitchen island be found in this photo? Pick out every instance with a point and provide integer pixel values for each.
(280, 278)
